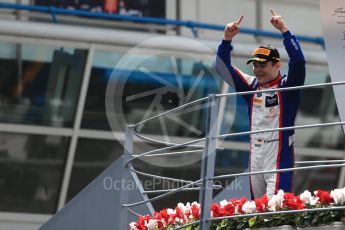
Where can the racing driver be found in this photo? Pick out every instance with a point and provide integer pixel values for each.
(267, 110)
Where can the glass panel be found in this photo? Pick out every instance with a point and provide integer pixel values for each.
(313, 179)
(31, 172)
(94, 116)
(148, 86)
(92, 157)
(39, 84)
(318, 106)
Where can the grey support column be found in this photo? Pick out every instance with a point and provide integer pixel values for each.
(208, 162)
(124, 194)
(341, 180)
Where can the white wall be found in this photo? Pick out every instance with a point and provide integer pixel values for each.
(302, 16)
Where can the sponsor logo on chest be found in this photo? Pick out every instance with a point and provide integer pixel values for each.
(271, 101)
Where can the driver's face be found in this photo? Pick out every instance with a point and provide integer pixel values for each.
(265, 71)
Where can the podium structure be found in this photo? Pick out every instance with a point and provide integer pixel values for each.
(98, 206)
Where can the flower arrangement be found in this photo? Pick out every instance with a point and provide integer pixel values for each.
(167, 219)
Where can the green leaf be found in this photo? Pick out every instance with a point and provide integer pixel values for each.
(252, 221)
(224, 223)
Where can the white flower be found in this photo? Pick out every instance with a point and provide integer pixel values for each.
(249, 207)
(338, 196)
(308, 198)
(276, 201)
(223, 203)
(280, 193)
(181, 206)
(171, 211)
(187, 205)
(184, 209)
(196, 204)
(305, 196)
(152, 224)
(132, 226)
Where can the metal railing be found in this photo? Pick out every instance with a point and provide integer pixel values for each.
(205, 183)
(54, 12)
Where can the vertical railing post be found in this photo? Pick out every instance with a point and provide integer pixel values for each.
(208, 162)
(128, 150)
(341, 181)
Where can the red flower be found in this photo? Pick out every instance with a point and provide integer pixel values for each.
(261, 203)
(217, 210)
(165, 215)
(293, 202)
(324, 197)
(185, 214)
(195, 211)
(238, 203)
(178, 214)
(229, 209)
(161, 220)
(142, 221)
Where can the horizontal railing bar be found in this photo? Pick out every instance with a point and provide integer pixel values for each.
(169, 143)
(172, 153)
(163, 195)
(163, 142)
(170, 111)
(159, 177)
(281, 89)
(319, 162)
(168, 190)
(280, 129)
(168, 178)
(277, 170)
(162, 149)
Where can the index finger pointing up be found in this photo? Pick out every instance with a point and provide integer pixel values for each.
(273, 12)
(239, 20)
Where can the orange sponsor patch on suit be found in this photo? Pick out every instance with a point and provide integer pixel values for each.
(257, 101)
